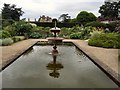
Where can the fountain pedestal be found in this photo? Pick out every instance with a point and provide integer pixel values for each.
(55, 39)
(54, 65)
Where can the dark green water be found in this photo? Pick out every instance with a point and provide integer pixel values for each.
(30, 71)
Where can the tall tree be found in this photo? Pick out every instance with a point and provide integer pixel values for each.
(84, 17)
(110, 10)
(11, 12)
(64, 18)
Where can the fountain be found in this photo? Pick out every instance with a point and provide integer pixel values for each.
(55, 31)
(55, 40)
(54, 65)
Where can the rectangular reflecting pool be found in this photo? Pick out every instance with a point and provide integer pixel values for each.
(72, 69)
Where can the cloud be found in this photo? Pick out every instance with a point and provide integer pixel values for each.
(54, 8)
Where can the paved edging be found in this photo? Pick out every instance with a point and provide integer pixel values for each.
(102, 65)
(13, 57)
(82, 47)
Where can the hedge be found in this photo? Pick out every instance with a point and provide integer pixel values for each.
(59, 24)
(108, 40)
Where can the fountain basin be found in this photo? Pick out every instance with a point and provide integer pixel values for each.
(54, 40)
(55, 29)
(30, 71)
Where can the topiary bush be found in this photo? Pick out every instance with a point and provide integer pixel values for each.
(7, 41)
(35, 35)
(108, 40)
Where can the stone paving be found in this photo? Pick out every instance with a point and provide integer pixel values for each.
(106, 58)
(11, 52)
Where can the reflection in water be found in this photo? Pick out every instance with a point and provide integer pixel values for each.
(30, 50)
(54, 66)
(30, 71)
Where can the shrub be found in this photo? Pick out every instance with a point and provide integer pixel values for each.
(44, 31)
(22, 27)
(76, 32)
(111, 26)
(7, 22)
(35, 35)
(96, 24)
(11, 29)
(0, 42)
(83, 32)
(110, 40)
(7, 41)
(75, 35)
(65, 32)
(18, 38)
(4, 34)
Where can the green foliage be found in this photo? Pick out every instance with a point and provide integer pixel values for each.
(11, 12)
(18, 38)
(75, 35)
(111, 26)
(7, 41)
(6, 22)
(44, 31)
(19, 28)
(73, 20)
(11, 29)
(0, 42)
(96, 24)
(84, 32)
(65, 32)
(110, 10)
(110, 40)
(4, 34)
(84, 17)
(76, 32)
(35, 35)
(22, 28)
(64, 18)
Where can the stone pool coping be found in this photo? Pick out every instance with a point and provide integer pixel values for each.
(105, 58)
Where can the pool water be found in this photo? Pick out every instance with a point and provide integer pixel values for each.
(30, 70)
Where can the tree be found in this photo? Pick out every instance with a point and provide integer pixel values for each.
(11, 12)
(64, 18)
(84, 17)
(73, 20)
(110, 10)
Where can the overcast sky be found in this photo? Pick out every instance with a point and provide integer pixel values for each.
(54, 8)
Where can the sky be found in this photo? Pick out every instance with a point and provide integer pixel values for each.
(54, 8)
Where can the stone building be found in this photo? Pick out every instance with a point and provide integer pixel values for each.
(44, 18)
